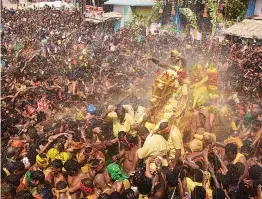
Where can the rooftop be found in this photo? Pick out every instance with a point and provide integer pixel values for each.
(131, 2)
(248, 28)
(106, 16)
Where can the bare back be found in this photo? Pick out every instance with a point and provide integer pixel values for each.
(129, 159)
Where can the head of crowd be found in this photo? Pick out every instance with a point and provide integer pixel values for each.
(66, 133)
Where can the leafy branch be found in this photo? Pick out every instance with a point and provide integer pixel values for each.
(191, 17)
(154, 14)
(213, 6)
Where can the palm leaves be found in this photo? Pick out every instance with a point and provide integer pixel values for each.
(191, 17)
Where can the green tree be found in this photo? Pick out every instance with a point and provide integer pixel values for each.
(235, 9)
(190, 16)
(154, 14)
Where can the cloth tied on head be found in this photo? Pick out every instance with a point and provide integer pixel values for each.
(28, 177)
(43, 162)
(74, 62)
(165, 131)
(38, 196)
(130, 145)
(248, 118)
(91, 109)
(84, 52)
(86, 189)
(116, 173)
(235, 140)
(52, 153)
(64, 156)
(80, 115)
(17, 144)
(176, 52)
(198, 67)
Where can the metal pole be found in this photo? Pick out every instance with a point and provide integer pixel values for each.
(83, 6)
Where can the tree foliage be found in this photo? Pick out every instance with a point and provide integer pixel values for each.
(154, 14)
(190, 16)
(235, 9)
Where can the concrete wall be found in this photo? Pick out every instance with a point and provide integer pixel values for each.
(258, 7)
(143, 11)
(119, 9)
(126, 11)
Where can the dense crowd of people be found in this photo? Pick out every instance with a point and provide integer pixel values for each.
(106, 146)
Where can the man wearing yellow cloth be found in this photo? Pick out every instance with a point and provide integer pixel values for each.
(137, 114)
(154, 145)
(175, 141)
(122, 121)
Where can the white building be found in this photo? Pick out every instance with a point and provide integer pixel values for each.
(128, 8)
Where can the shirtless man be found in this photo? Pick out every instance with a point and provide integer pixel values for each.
(115, 176)
(257, 159)
(85, 186)
(232, 156)
(201, 135)
(75, 175)
(61, 190)
(201, 122)
(128, 153)
(253, 133)
(53, 171)
(102, 186)
(145, 186)
(86, 156)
